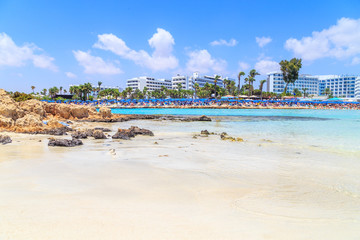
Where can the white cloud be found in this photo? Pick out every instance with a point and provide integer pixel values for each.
(70, 75)
(262, 41)
(243, 66)
(355, 61)
(201, 61)
(161, 59)
(231, 43)
(338, 41)
(266, 66)
(95, 65)
(16, 56)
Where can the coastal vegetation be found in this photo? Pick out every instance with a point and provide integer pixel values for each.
(290, 70)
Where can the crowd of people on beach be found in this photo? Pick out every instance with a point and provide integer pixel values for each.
(217, 103)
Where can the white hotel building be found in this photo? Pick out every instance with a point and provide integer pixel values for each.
(149, 82)
(340, 86)
(186, 82)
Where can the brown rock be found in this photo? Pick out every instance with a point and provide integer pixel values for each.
(29, 120)
(105, 112)
(8, 107)
(98, 134)
(52, 123)
(6, 122)
(34, 106)
(79, 112)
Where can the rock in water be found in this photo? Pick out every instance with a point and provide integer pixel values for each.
(205, 132)
(126, 134)
(64, 142)
(141, 131)
(201, 119)
(5, 139)
(98, 134)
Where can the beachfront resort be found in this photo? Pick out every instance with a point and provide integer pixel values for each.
(179, 120)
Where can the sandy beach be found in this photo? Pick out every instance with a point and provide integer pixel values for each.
(179, 188)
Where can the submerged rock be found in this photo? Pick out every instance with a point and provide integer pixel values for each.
(205, 132)
(64, 142)
(225, 136)
(5, 139)
(126, 134)
(201, 118)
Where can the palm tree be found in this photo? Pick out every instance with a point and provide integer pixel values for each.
(261, 87)
(217, 77)
(145, 91)
(239, 76)
(197, 89)
(44, 91)
(327, 91)
(304, 90)
(253, 73)
(99, 84)
(61, 88)
(33, 88)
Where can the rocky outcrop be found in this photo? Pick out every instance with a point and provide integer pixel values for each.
(6, 122)
(33, 106)
(98, 134)
(64, 142)
(79, 112)
(53, 131)
(5, 139)
(126, 134)
(8, 107)
(105, 112)
(29, 120)
(52, 123)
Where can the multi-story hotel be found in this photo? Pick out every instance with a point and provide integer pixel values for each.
(149, 82)
(186, 82)
(340, 86)
(183, 80)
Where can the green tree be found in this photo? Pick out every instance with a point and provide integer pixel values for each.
(297, 92)
(290, 70)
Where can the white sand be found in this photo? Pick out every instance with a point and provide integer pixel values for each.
(180, 188)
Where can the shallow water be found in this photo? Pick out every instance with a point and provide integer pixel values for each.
(289, 178)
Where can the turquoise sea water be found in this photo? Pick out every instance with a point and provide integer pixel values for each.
(331, 130)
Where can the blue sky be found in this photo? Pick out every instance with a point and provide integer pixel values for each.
(58, 43)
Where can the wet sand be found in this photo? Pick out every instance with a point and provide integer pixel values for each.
(180, 188)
